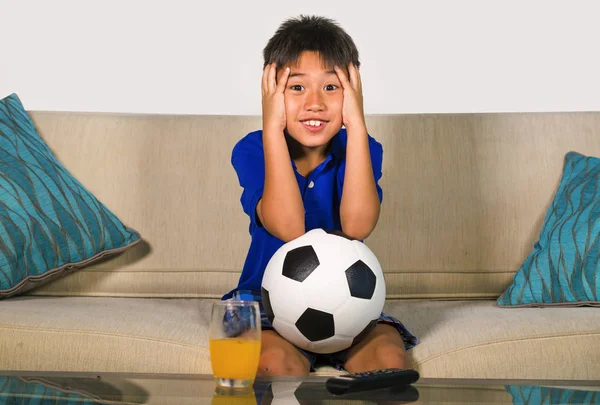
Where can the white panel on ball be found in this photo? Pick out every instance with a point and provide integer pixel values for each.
(287, 299)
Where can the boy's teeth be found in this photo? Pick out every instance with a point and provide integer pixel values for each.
(313, 123)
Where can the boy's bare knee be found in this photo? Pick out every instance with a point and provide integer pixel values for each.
(277, 361)
(382, 348)
(390, 356)
(280, 358)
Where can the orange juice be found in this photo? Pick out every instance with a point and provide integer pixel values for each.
(234, 358)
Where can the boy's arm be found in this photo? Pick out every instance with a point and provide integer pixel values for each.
(280, 209)
(360, 205)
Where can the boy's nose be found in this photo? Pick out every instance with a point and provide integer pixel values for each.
(314, 102)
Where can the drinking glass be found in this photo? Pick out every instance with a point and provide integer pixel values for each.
(234, 342)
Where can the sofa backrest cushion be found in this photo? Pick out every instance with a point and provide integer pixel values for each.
(464, 197)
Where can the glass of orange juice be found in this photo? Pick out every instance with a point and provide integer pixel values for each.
(234, 342)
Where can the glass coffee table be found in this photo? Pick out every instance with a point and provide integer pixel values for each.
(108, 388)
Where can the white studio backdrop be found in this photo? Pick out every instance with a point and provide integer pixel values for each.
(197, 57)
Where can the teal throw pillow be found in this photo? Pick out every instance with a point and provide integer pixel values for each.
(59, 390)
(564, 269)
(538, 395)
(49, 223)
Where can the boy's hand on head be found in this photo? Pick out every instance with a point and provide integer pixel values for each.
(352, 109)
(273, 101)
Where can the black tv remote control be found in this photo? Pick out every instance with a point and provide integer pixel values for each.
(371, 380)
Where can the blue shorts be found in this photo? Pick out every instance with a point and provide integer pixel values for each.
(337, 359)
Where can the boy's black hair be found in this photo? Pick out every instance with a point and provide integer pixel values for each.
(311, 33)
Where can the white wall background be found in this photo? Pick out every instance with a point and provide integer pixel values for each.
(205, 57)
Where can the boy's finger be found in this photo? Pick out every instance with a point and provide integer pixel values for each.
(272, 78)
(283, 81)
(265, 76)
(359, 88)
(358, 79)
(342, 77)
(353, 76)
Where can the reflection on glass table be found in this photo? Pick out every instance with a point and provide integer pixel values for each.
(107, 388)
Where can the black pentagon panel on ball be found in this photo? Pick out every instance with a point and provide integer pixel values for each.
(316, 325)
(364, 332)
(300, 262)
(361, 280)
(266, 303)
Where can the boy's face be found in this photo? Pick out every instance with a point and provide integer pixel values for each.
(313, 101)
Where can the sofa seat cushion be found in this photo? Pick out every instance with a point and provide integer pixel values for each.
(478, 339)
(105, 334)
(458, 339)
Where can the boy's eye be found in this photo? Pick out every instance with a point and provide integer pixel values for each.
(296, 87)
(331, 87)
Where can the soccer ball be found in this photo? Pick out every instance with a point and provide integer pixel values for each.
(323, 291)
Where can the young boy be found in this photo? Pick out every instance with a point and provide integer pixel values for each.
(304, 171)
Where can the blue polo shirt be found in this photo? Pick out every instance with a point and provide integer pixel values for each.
(321, 194)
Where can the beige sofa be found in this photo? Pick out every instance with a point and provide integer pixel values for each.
(464, 200)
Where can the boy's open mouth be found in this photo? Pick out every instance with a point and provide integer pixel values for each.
(313, 125)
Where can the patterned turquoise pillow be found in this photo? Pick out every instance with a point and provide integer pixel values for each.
(65, 390)
(538, 395)
(564, 267)
(14, 390)
(49, 223)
